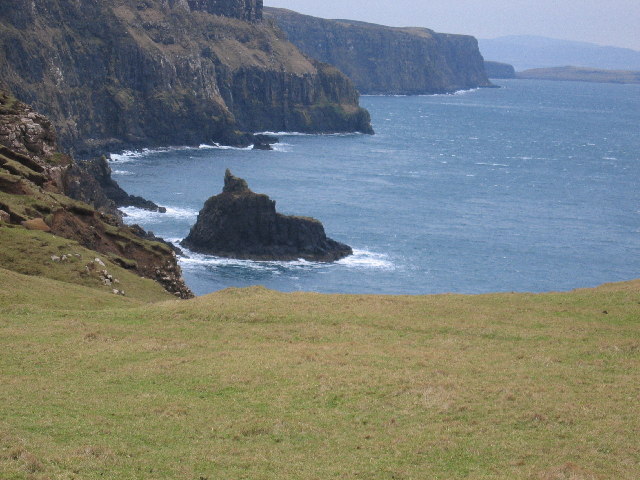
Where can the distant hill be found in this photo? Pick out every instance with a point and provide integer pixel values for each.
(526, 52)
(582, 75)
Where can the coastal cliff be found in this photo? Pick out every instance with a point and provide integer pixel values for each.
(387, 60)
(34, 177)
(239, 223)
(499, 70)
(131, 74)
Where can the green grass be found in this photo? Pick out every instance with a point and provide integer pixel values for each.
(255, 384)
(30, 252)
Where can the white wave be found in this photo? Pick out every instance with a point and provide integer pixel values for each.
(145, 217)
(492, 164)
(300, 134)
(285, 134)
(131, 155)
(125, 157)
(122, 172)
(217, 146)
(192, 259)
(452, 94)
(281, 147)
(367, 259)
(359, 260)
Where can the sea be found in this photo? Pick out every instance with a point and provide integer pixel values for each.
(531, 187)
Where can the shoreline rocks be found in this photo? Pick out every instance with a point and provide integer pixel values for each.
(239, 223)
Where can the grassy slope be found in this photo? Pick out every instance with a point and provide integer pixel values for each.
(29, 252)
(256, 384)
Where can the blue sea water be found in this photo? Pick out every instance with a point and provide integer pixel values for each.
(531, 187)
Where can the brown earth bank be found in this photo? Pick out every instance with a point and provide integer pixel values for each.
(33, 194)
(132, 74)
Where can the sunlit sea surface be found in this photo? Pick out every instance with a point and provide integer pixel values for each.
(531, 187)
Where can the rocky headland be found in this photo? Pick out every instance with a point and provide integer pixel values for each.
(239, 223)
(387, 60)
(133, 74)
(35, 183)
(499, 70)
(582, 74)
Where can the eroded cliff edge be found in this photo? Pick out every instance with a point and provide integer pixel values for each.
(387, 60)
(128, 74)
(34, 195)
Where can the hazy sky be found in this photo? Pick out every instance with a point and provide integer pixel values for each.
(607, 22)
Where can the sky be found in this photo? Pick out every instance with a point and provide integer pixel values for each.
(605, 22)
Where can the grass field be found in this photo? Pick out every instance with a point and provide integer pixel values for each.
(255, 384)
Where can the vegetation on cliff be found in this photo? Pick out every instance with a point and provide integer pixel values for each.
(45, 232)
(114, 75)
(387, 60)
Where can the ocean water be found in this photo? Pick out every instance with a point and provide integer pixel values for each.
(531, 187)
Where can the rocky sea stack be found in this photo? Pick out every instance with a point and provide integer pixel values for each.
(239, 223)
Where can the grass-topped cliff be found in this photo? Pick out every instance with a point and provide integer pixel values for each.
(257, 384)
(115, 75)
(387, 60)
(44, 232)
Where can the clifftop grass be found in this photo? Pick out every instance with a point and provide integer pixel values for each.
(257, 384)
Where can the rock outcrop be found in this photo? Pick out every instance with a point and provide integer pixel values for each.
(387, 60)
(132, 74)
(239, 223)
(33, 175)
(499, 70)
(249, 10)
(90, 181)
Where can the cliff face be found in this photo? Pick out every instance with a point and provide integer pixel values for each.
(243, 9)
(114, 75)
(239, 223)
(499, 70)
(33, 179)
(387, 60)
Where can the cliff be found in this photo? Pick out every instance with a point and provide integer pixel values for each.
(33, 196)
(129, 74)
(239, 223)
(499, 70)
(387, 60)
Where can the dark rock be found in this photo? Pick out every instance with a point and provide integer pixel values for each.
(239, 223)
(264, 142)
(90, 181)
(33, 171)
(249, 10)
(132, 74)
(499, 70)
(387, 60)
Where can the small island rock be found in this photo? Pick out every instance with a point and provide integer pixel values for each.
(239, 223)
